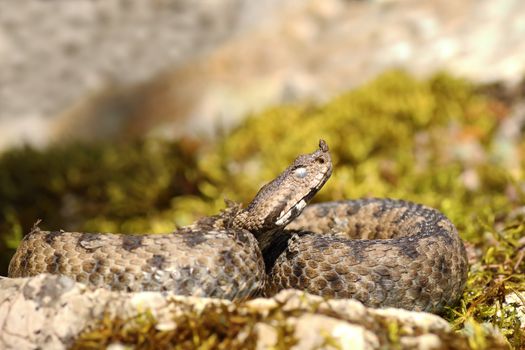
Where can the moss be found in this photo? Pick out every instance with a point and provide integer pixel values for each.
(436, 141)
(393, 334)
(238, 326)
(99, 187)
(384, 137)
(213, 327)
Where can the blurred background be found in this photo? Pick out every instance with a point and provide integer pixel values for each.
(139, 116)
(106, 70)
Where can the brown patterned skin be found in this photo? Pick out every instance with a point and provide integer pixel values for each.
(184, 262)
(382, 252)
(215, 257)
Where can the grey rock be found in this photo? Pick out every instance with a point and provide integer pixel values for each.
(55, 53)
(97, 69)
(49, 311)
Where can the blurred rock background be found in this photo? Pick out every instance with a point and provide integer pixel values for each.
(106, 70)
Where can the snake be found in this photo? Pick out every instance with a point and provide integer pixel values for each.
(383, 252)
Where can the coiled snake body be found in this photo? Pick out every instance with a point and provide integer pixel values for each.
(383, 252)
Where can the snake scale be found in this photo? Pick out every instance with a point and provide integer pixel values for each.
(383, 252)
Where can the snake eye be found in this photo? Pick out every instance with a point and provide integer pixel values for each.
(300, 172)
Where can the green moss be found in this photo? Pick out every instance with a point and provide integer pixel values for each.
(434, 141)
(237, 326)
(100, 187)
(385, 139)
(213, 327)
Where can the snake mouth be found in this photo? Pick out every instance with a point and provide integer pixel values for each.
(291, 213)
(287, 216)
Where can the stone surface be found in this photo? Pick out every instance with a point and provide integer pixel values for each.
(50, 311)
(173, 67)
(55, 53)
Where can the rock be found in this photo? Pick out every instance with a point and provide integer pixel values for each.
(517, 300)
(169, 68)
(51, 312)
(90, 47)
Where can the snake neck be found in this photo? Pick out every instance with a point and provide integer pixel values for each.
(280, 201)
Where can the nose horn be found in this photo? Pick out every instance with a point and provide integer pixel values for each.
(323, 146)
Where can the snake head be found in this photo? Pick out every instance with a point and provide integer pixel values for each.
(280, 201)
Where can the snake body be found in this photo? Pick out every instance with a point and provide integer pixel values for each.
(383, 252)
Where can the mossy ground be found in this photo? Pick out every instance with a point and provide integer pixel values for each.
(440, 142)
(213, 327)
